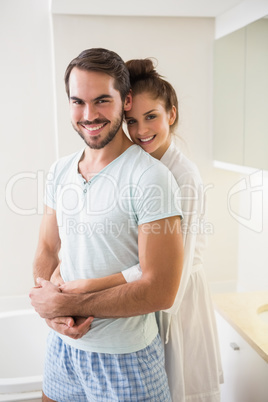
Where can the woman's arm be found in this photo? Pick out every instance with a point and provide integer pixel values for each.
(93, 285)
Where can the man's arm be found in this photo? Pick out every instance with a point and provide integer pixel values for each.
(161, 258)
(46, 257)
(45, 262)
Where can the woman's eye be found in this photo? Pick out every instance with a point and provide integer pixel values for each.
(130, 122)
(151, 116)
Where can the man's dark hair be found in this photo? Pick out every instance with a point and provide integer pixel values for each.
(105, 61)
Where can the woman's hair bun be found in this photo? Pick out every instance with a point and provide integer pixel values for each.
(141, 69)
(145, 79)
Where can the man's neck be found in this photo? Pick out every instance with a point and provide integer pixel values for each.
(94, 160)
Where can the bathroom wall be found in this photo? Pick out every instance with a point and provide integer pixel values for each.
(27, 130)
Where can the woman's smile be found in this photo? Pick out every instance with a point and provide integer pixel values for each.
(147, 140)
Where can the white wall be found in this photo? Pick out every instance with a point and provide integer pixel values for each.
(27, 134)
(183, 48)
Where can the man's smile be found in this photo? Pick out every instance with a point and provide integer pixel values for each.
(93, 128)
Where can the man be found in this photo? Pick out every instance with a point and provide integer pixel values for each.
(108, 207)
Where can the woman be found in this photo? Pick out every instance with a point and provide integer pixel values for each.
(188, 329)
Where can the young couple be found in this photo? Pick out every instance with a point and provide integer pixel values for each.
(111, 296)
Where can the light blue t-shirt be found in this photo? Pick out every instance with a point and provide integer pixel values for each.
(98, 226)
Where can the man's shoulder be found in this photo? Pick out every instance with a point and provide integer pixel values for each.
(65, 164)
(68, 159)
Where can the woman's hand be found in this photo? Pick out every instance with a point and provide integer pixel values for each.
(78, 286)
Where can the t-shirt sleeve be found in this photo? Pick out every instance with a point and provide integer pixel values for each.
(157, 195)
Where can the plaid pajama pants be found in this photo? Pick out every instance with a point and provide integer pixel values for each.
(72, 375)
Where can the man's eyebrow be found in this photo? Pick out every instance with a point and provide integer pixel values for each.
(103, 97)
(75, 98)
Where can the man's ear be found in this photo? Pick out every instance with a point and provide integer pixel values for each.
(128, 102)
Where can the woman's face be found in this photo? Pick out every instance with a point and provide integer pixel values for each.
(149, 124)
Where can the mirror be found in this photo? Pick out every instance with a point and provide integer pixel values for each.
(240, 122)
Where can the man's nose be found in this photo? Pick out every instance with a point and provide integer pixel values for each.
(90, 113)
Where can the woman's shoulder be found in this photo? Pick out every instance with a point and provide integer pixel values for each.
(183, 168)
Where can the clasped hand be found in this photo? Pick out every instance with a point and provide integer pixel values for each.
(46, 301)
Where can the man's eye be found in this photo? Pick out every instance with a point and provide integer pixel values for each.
(100, 101)
(77, 102)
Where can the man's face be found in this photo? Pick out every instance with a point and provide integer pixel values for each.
(96, 107)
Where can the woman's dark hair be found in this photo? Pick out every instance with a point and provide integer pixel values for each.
(105, 61)
(145, 78)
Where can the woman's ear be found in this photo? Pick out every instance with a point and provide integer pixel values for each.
(128, 102)
(173, 114)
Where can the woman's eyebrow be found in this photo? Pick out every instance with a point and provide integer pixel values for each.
(144, 114)
(150, 111)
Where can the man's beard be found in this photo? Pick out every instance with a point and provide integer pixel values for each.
(94, 144)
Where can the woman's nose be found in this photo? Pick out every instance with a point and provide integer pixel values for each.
(143, 129)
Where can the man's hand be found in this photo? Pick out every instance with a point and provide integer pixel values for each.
(74, 328)
(44, 298)
(56, 278)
